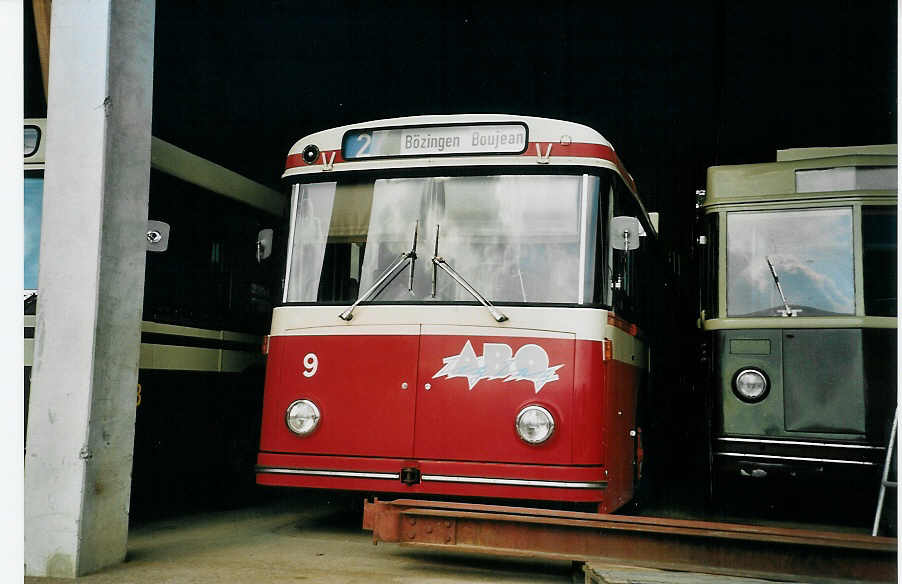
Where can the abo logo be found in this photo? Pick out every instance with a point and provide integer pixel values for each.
(498, 361)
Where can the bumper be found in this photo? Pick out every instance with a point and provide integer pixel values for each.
(759, 458)
(430, 477)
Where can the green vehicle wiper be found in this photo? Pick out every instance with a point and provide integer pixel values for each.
(787, 310)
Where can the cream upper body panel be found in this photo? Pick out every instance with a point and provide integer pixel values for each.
(581, 324)
(540, 129)
(542, 133)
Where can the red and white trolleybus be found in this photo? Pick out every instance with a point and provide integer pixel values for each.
(461, 313)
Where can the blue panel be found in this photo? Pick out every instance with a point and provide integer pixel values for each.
(34, 189)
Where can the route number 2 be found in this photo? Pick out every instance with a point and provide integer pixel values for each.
(367, 139)
(311, 362)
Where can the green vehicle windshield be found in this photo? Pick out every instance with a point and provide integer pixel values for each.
(811, 252)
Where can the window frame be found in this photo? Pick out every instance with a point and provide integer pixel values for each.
(606, 178)
(854, 209)
(864, 209)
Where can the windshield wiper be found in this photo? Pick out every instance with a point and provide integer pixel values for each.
(787, 310)
(439, 262)
(388, 275)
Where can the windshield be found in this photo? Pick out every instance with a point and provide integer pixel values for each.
(514, 238)
(811, 254)
(34, 189)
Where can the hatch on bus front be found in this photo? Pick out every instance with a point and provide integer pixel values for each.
(473, 382)
(421, 391)
(363, 384)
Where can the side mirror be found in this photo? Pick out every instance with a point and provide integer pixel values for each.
(655, 218)
(264, 244)
(625, 233)
(157, 236)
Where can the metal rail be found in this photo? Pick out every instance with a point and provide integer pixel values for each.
(674, 544)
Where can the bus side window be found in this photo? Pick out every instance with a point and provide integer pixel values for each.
(627, 264)
(878, 230)
(709, 273)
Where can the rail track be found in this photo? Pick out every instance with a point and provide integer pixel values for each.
(671, 544)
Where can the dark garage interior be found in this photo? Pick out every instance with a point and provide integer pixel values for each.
(676, 88)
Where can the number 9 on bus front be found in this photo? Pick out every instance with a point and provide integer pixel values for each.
(311, 362)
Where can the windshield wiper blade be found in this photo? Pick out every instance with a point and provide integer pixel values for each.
(439, 262)
(787, 310)
(408, 257)
(412, 254)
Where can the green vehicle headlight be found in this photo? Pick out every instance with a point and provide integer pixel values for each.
(750, 385)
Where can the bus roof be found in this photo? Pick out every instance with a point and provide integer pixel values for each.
(829, 152)
(806, 173)
(547, 141)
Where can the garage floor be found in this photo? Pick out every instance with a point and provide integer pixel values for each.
(287, 535)
(296, 537)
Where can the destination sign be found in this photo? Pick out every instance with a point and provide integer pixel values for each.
(435, 140)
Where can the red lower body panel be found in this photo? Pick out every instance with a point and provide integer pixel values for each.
(411, 413)
(465, 479)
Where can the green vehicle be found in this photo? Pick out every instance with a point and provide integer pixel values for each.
(798, 313)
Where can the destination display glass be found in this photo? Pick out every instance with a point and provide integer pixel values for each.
(435, 141)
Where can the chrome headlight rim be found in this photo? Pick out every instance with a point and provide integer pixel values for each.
(744, 397)
(317, 416)
(542, 410)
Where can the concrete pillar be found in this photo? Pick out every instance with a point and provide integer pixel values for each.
(91, 285)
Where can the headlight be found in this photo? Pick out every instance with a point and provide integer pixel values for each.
(535, 424)
(302, 417)
(750, 385)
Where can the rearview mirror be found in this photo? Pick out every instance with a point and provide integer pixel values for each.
(625, 233)
(157, 235)
(655, 219)
(264, 244)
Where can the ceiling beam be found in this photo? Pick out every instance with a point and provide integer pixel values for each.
(41, 10)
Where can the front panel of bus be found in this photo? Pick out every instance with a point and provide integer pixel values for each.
(422, 390)
(802, 336)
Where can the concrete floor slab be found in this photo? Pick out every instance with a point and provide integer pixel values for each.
(300, 537)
